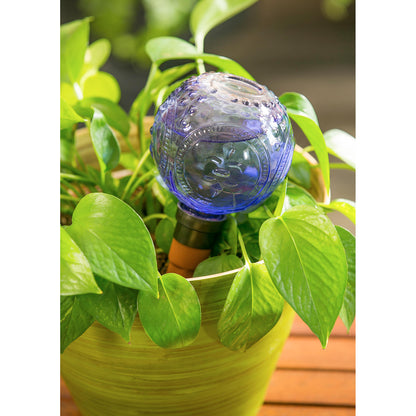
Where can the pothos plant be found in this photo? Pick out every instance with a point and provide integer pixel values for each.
(286, 250)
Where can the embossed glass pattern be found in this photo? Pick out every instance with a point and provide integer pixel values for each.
(222, 143)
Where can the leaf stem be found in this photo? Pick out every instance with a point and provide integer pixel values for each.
(243, 248)
(200, 66)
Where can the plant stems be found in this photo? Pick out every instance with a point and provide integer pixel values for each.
(77, 178)
(142, 113)
(72, 188)
(69, 198)
(154, 216)
(135, 173)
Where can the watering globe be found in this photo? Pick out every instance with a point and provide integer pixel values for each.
(222, 144)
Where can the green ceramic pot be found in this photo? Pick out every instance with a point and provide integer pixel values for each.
(109, 377)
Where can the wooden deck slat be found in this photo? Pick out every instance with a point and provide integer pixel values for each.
(304, 352)
(312, 387)
(284, 410)
(300, 328)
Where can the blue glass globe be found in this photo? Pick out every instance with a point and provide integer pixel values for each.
(222, 143)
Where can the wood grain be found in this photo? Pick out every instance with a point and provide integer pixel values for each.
(300, 328)
(284, 410)
(304, 352)
(312, 387)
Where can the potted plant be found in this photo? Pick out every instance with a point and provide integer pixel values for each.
(137, 340)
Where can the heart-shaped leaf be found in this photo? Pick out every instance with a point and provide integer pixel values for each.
(105, 143)
(210, 13)
(115, 241)
(115, 309)
(218, 264)
(74, 320)
(252, 308)
(76, 274)
(173, 320)
(306, 260)
(347, 313)
(342, 145)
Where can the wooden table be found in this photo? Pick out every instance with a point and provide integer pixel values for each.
(309, 381)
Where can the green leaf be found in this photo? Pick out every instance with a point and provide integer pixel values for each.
(67, 150)
(347, 313)
(115, 309)
(342, 145)
(114, 115)
(295, 195)
(164, 233)
(165, 48)
(252, 308)
(105, 143)
(226, 241)
(76, 274)
(168, 76)
(101, 84)
(218, 264)
(298, 104)
(210, 13)
(344, 206)
(300, 110)
(171, 206)
(74, 42)
(306, 260)
(68, 115)
(68, 93)
(74, 320)
(128, 160)
(300, 170)
(97, 54)
(115, 241)
(173, 320)
(226, 65)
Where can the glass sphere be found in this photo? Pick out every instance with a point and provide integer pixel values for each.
(222, 143)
